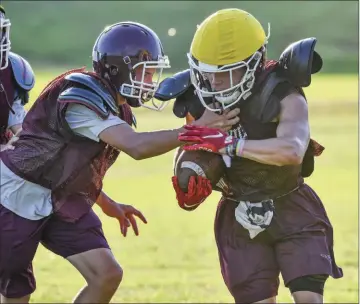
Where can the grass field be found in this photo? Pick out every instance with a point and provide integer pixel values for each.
(175, 258)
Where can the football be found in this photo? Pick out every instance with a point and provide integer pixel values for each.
(193, 163)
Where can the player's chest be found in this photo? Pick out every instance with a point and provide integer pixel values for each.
(254, 130)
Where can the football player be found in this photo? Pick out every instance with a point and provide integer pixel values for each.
(16, 80)
(72, 134)
(269, 221)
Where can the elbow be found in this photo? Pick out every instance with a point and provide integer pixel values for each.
(294, 158)
(137, 149)
(137, 153)
(293, 155)
(289, 158)
(139, 157)
(136, 157)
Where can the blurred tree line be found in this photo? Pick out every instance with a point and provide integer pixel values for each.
(63, 32)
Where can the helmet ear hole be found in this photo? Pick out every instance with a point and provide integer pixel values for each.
(96, 67)
(113, 70)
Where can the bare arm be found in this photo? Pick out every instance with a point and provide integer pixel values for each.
(149, 144)
(103, 200)
(293, 135)
(141, 145)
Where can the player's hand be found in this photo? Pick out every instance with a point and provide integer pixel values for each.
(222, 121)
(199, 188)
(10, 144)
(125, 214)
(207, 139)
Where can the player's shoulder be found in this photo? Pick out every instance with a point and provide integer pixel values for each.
(83, 111)
(22, 71)
(299, 61)
(293, 71)
(294, 103)
(87, 90)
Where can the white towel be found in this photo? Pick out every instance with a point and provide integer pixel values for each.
(255, 217)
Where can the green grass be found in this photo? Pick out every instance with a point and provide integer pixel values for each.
(290, 21)
(175, 257)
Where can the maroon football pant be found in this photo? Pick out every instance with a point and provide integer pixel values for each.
(19, 240)
(299, 242)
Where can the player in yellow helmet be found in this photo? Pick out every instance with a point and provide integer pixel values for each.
(270, 221)
(228, 44)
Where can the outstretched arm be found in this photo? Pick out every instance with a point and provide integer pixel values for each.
(149, 144)
(141, 145)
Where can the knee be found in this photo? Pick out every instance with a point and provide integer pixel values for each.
(307, 297)
(308, 289)
(23, 300)
(108, 279)
(99, 268)
(258, 291)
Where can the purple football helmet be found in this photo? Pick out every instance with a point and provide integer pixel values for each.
(119, 50)
(4, 39)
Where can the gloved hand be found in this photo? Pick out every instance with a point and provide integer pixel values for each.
(208, 139)
(199, 188)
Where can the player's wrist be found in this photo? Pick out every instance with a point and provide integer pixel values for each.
(180, 131)
(103, 200)
(239, 147)
(236, 148)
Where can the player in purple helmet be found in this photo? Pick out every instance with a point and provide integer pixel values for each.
(16, 80)
(71, 136)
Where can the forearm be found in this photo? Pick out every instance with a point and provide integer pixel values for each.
(102, 200)
(150, 144)
(273, 151)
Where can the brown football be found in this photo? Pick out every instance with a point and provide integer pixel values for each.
(192, 163)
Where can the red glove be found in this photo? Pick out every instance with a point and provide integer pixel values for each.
(208, 139)
(199, 188)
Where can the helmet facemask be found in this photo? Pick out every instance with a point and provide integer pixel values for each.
(5, 44)
(142, 90)
(236, 82)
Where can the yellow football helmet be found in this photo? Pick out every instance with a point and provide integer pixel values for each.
(230, 43)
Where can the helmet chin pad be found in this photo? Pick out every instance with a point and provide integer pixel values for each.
(133, 102)
(229, 98)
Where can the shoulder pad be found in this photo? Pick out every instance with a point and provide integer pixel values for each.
(23, 73)
(103, 96)
(264, 106)
(189, 102)
(173, 86)
(299, 60)
(87, 98)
